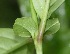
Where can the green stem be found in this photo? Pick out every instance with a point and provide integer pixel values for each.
(41, 29)
(38, 38)
(38, 47)
(43, 22)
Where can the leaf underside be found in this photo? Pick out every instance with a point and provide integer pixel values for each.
(26, 49)
(41, 7)
(20, 31)
(55, 5)
(9, 42)
(27, 25)
(52, 26)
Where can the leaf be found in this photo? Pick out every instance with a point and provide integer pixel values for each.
(26, 49)
(54, 7)
(10, 42)
(25, 24)
(20, 31)
(21, 50)
(52, 26)
(33, 12)
(41, 7)
(52, 2)
(31, 48)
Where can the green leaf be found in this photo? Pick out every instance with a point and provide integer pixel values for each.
(41, 7)
(20, 31)
(9, 42)
(52, 26)
(26, 24)
(52, 2)
(26, 49)
(31, 48)
(33, 12)
(54, 6)
(21, 50)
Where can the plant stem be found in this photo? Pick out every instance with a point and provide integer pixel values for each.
(38, 47)
(38, 38)
(43, 21)
(41, 29)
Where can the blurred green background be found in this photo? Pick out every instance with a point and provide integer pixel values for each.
(58, 43)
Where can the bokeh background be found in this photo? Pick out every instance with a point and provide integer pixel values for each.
(58, 43)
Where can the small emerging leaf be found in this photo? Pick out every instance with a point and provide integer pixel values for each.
(52, 26)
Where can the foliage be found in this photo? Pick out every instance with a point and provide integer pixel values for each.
(26, 27)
